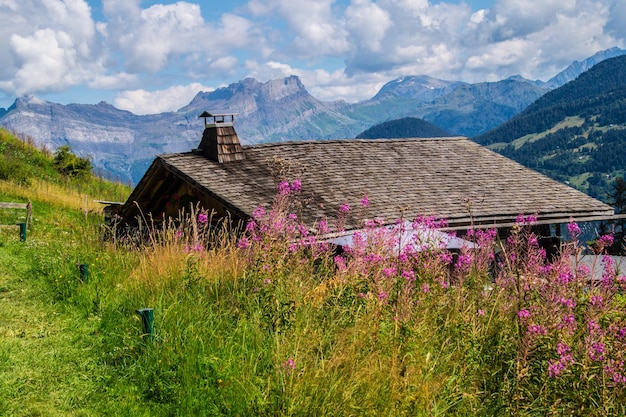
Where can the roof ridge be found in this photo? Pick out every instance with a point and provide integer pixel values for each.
(319, 141)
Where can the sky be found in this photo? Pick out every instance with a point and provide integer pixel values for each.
(155, 56)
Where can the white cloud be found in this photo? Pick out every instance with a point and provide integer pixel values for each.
(367, 24)
(151, 102)
(47, 44)
(536, 38)
(114, 82)
(148, 38)
(47, 62)
(169, 35)
(313, 27)
(51, 45)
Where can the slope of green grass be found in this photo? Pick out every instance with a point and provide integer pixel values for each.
(276, 324)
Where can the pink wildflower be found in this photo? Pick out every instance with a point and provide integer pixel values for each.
(296, 185)
(536, 329)
(203, 218)
(322, 227)
(596, 351)
(606, 240)
(289, 364)
(243, 243)
(567, 302)
(340, 262)
(594, 328)
(464, 260)
(284, 188)
(573, 229)
(258, 213)
(409, 275)
(365, 202)
(344, 208)
(597, 300)
(389, 272)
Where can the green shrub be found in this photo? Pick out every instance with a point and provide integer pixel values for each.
(67, 163)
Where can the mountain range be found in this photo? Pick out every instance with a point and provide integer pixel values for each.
(122, 144)
(575, 133)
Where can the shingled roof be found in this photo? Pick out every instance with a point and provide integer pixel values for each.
(452, 178)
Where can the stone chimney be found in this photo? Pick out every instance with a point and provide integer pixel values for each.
(219, 140)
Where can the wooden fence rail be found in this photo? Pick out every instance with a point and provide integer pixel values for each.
(23, 206)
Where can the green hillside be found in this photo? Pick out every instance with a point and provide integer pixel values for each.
(576, 133)
(407, 127)
(276, 323)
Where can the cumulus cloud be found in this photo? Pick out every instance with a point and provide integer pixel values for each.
(341, 49)
(161, 35)
(149, 102)
(537, 38)
(313, 27)
(46, 44)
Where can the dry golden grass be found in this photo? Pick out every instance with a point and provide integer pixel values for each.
(53, 194)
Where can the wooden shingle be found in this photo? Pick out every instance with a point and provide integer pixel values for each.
(452, 178)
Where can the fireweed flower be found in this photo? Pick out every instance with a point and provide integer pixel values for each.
(425, 288)
(365, 202)
(409, 275)
(615, 369)
(289, 364)
(562, 349)
(464, 260)
(322, 227)
(596, 351)
(608, 271)
(340, 262)
(523, 314)
(258, 213)
(568, 323)
(597, 300)
(344, 208)
(573, 230)
(203, 218)
(605, 240)
(594, 328)
(565, 277)
(296, 185)
(537, 329)
(284, 188)
(389, 272)
(555, 367)
(251, 226)
(567, 302)
(243, 243)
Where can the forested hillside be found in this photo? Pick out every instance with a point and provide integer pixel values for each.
(407, 127)
(576, 133)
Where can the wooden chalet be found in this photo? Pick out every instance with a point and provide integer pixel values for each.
(452, 178)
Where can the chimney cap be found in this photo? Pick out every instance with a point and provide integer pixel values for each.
(218, 118)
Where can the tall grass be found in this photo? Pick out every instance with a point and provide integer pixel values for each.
(275, 321)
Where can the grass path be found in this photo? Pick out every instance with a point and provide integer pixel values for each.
(48, 358)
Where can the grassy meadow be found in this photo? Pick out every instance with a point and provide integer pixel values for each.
(273, 322)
